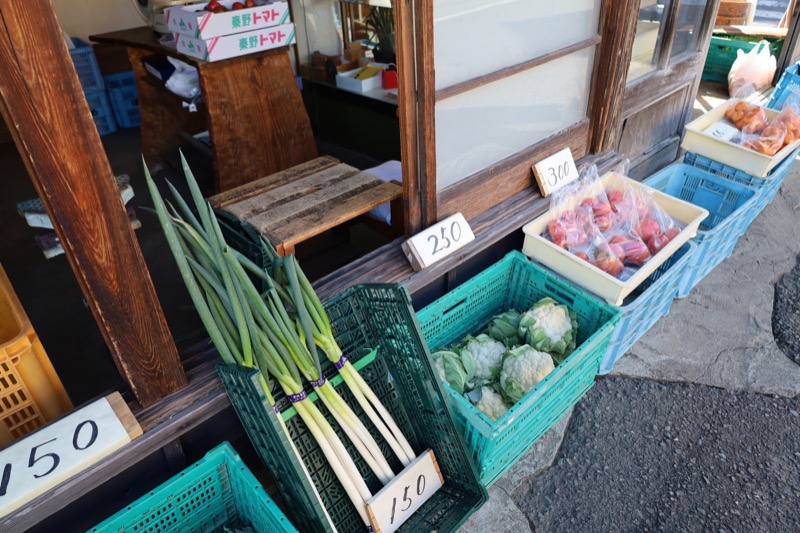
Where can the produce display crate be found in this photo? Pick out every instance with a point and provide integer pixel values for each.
(788, 87)
(729, 205)
(728, 153)
(31, 393)
(86, 66)
(590, 277)
(101, 112)
(767, 187)
(400, 374)
(215, 493)
(124, 97)
(515, 282)
(241, 237)
(643, 308)
(722, 54)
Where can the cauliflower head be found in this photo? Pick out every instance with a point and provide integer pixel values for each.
(523, 368)
(485, 355)
(550, 327)
(491, 403)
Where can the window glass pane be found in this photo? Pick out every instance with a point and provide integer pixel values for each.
(690, 16)
(644, 58)
(476, 37)
(488, 124)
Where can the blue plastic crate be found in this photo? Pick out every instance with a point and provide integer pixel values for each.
(788, 85)
(216, 492)
(649, 302)
(728, 204)
(101, 112)
(86, 66)
(767, 187)
(124, 97)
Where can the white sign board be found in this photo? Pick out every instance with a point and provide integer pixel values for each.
(438, 241)
(722, 131)
(402, 496)
(555, 171)
(52, 454)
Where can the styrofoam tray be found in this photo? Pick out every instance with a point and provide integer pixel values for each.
(589, 276)
(728, 153)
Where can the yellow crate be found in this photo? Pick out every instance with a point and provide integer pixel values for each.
(589, 276)
(31, 394)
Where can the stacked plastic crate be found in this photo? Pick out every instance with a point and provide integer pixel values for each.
(93, 87)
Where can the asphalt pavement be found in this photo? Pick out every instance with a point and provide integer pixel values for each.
(697, 426)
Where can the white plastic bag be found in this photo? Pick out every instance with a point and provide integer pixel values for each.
(185, 81)
(752, 71)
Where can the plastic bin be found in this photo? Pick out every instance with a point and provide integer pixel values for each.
(767, 187)
(788, 86)
(124, 97)
(651, 301)
(241, 237)
(31, 394)
(729, 205)
(86, 66)
(517, 282)
(722, 54)
(101, 112)
(400, 374)
(215, 492)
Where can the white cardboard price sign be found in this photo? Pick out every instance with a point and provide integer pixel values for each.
(438, 241)
(52, 454)
(555, 171)
(402, 496)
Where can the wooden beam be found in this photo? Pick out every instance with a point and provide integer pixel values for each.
(43, 103)
(426, 95)
(617, 28)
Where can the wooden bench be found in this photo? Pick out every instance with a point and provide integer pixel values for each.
(293, 205)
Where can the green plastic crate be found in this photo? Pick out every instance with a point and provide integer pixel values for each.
(516, 282)
(722, 54)
(241, 236)
(364, 317)
(215, 492)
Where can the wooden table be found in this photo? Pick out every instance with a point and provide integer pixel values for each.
(251, 107)
(292, 206)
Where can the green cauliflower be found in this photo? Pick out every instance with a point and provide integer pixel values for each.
(523, 368)
(485, 355)
(451, 370)
(550, 327)
(505, 328)
(491, 403)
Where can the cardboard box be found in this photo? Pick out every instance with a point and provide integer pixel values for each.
(348, 82)
(228, 46)
(192, 21)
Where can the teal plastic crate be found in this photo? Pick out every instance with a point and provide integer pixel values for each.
(101, 112)
(722, 53)
(400, 374)
(729, 205)
(515, 282)
(646, 305)
(217, 491)
(766, 188)
(787, 87)
(241, 236)
(124, 97)
(86, 66)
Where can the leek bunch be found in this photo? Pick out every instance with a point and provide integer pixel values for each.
(278, 333)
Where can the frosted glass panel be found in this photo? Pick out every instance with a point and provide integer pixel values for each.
(475, 37)
(492, 122)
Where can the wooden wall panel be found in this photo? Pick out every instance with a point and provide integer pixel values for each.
(652, 125)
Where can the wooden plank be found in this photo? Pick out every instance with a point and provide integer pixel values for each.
(506, 72)
(316, 221)
(426, 109)
(640, 133)
(408, 116)
(618, 29)
(643, 92)
(248, 190)
(493, 185)
(657, 158)
(53, 128)
(667, 34)
(125, 415)
(318, 202)
(268, 204)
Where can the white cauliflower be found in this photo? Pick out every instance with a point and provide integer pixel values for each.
(491, 403)
(523, 368)
(487, 355)
(550, 327)
(450, 369)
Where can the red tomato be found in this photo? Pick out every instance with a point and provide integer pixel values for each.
(237, 5)
(249, 3)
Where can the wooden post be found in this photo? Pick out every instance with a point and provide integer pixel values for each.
(45, 108)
